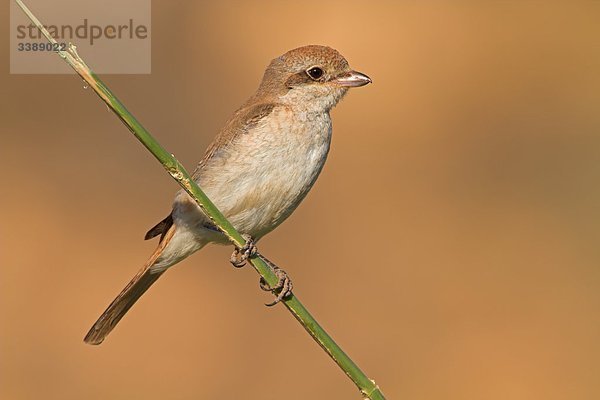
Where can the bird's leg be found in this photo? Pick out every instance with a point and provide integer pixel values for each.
(241, 254)
(283, 287)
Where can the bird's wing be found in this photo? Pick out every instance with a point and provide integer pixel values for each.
(160, 229)
(242, 121)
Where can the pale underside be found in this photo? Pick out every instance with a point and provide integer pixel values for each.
(257, 180)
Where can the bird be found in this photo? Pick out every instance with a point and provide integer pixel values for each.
(257, 170)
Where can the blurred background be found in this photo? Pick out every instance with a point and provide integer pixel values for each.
(450, 245)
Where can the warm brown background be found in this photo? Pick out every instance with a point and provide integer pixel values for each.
(451, 245)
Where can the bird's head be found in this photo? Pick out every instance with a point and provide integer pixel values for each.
(312, 77)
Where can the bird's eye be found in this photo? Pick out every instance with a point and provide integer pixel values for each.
(315, 73)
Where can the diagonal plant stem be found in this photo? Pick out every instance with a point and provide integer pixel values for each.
(367, 387)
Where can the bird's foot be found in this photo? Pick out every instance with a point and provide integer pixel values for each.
(242, 254)
(283, 287)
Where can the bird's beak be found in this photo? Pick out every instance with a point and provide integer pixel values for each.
(352, 79)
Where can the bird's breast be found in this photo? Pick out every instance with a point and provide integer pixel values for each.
(263, 174)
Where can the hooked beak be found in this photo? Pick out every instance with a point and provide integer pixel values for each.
(352, 79)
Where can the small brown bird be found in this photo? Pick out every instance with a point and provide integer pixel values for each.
(257, 170)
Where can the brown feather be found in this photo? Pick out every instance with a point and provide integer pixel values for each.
(242, 121)
(299, 78)
(128, 296)
(160, 229)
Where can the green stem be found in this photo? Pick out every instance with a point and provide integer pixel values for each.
(367, 387)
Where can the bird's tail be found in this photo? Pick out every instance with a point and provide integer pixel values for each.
(133, 291)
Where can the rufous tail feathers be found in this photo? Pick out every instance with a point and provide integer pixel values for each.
(129, 295)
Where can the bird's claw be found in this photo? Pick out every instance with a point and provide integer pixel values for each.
(242, 254)
(283, 287)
